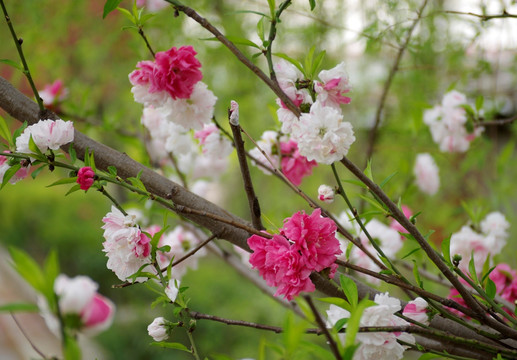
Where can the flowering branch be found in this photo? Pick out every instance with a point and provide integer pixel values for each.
(387, 85)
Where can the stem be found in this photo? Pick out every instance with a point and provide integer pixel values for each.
(483, 17)
(272, 36)
(193, 345)
(192, 252)
(113, 200)
(253, 202)
(40, 353)
(18, 42)
(142, 34)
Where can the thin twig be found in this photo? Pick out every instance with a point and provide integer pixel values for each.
(498, 122)
(18, 42)
(40, 353)
(481, 16)
(246, 178)
(142, 34)
(323, 327)
(387, 85)
(192, 252)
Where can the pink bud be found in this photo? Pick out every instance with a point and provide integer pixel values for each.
(85, 177)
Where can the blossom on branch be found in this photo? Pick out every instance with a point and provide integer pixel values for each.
(46, 134)
(158, 329)
(85, 177)
(334, 84)
(4, 167)
(417, 310)
(426, 174)
(326, 194)
(306, 243)
(294, 166)
(54, 93)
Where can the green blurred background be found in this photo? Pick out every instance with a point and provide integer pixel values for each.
(70, 41)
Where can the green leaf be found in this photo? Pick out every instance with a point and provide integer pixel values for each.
(342, 303)
(71, 350)
(308, 59)
(10, 173)
(490, 289)
(479, 102)
(170, 345)
(73, 189)
(19, 307)
(348, 353)
(92, 162)
(51, 268)
(272, 7)
(368, 171)
(127, 14)
(33, 147)
(416, 274)
(72, 153)
(28, 269)
(385, 181)
(350, 289)
(5, 133)
(18, 131)
(64, 181)
(14, 64)
(313, 4)
(429, 356)
(375, 203)
(109, 6)
(446, 249)
(36, 172)
(411, 253)
(112, 170)
(261, 30)
(472, 268)
(354, 322)
(317, 63)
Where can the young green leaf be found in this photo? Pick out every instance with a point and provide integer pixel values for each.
(109, 6)
(72, 153)
(14, 64)
(479, 102)
(490, 289)
(472, 269)
(272, 7)
(446, 250)
(63, 181)
(19, 307)
(177, 346)
(28, 269)
(5, 133)
(350, 289)
(73, 189)
(291, 60)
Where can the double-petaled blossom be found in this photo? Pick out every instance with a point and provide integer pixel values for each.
(46, 134)
(213, 144)
(294, 166)
(417, 310)
(4, 167)
(126, 246)
(447, 123)
(426, 174)
(78, 299)
(85, 177)
(306, 243)
(376, 345)
(322, 135)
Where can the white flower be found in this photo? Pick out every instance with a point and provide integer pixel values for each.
(268, 143)
(426, 174)
(376, 345)
(47, 134)
(158, 329)
(142, 95)
(390, 241)
(417, 310)
(326, 193)
(287, 118)
(495, 224)
(74, 294)
(194, 112)
(322, 135)
(172, 289)
(467, 241)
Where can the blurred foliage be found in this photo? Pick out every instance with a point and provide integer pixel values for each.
(70, 41)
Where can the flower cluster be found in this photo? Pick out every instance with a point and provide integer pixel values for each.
(284, 154)
(78, 300)
(126, 246)
(426, 174)
(306, 243)
(388, 239)
(489, 241)
(46, 134)
(321, 134)
(447, 123)
(376, 345)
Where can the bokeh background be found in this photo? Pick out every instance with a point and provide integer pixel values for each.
(70, 41)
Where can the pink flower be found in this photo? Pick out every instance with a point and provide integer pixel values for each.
(326, 194)
(417, 310)
(4, 166)
(85, 177)
(333, 86)
(53, 93)
(47, 134)
(395, 224)
(314, 236)
(505, 279)
(178, 72)
(78, 296)
(281, 265)
(426, 174)
(295, 166)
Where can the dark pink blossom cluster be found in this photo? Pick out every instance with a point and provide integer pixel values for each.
(505, 280)
(306, 243)
(294, 165)
(174, 71)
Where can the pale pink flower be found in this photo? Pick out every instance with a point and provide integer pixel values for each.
(287, 75)
(326, 193)
(214, 145)
(79, 296)
(194, 112)
(85, 177)
(53, 93)
(47, 134)
(268, 143)
(142, 95)
(495, 224)
(334, 84)
(158, 329)
(287, 118)
(322, 135)
(4, 166)
(426, 174)
(376, 345)
(388, 239)
(505, 279)
(417, 310)
(447, 123)
(181, 242)
(295, 166)
(466, 241)
(395, 225)
(152, 5)
(126, 247)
